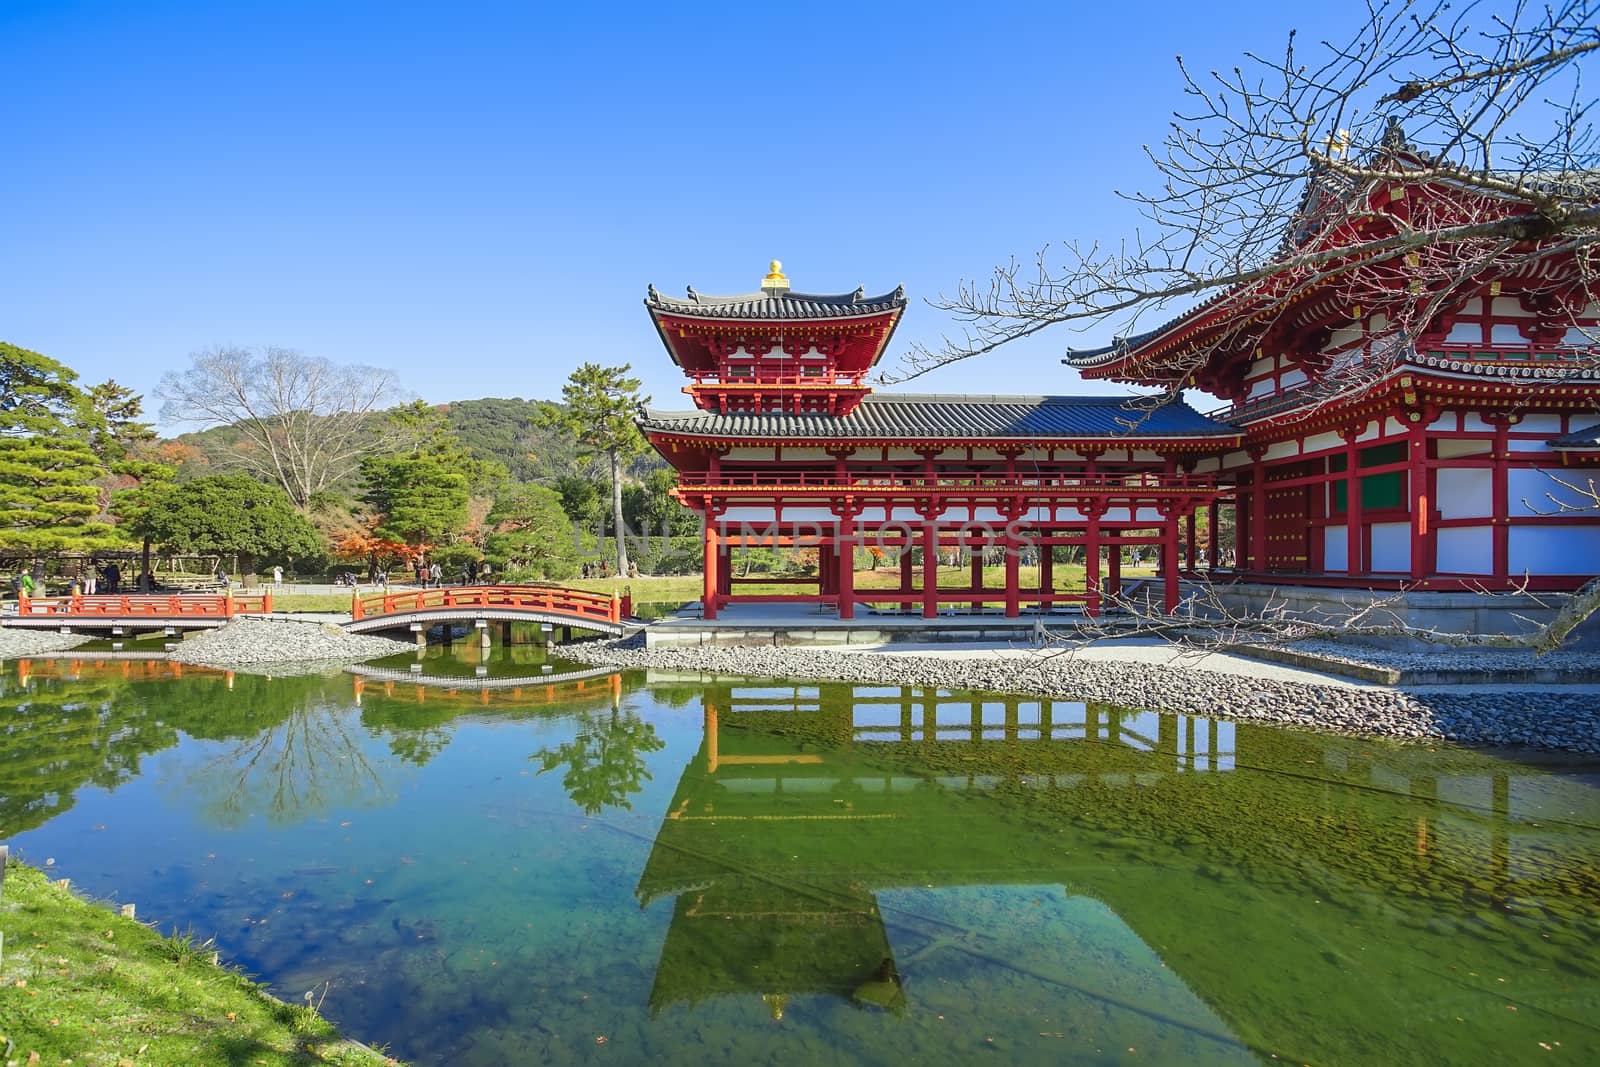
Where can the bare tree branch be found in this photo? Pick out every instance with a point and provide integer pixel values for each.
(306, 422)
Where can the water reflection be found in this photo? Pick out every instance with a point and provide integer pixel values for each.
(695, 867)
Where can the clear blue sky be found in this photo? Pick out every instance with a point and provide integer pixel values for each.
(476, 195)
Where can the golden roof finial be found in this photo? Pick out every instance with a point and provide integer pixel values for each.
(775, 279)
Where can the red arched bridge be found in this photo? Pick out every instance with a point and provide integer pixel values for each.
(550, 604)
(415, 610)
(136, 611)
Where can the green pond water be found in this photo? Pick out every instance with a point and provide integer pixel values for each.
(684, 869)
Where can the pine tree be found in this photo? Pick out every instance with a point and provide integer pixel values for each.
(600, 405)
(49, 502)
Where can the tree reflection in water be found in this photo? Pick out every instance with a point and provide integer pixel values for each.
(303, 766)
(604, 761)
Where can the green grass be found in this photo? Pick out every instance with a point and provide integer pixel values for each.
(314, 601)
(1068, 577)
(82, 984)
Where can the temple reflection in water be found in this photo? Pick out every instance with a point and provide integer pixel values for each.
(812, 836)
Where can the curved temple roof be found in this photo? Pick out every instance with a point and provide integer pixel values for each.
(776, 304)
(912, 416)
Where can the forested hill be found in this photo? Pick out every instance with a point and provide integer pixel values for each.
(506, 430)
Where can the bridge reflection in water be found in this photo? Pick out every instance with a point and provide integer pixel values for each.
(849, 840)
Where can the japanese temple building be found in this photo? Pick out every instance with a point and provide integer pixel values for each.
(789, 447)
(1432, 476)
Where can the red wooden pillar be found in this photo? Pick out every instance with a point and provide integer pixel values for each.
(1355, 526)
(977, 551)
(845, 550)
(930, 567)
(1190, 543)
(907, 573)
(1212, 547)
(1500, 528)
(1258, 511)
(1421, 495)
(1169, 557)
(1013, 574)
(1047, 575)
(1091, 566)
(1114, 570)
(713, 557)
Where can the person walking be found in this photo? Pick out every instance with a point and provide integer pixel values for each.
(91, 579)
(113, 576)
(277, 576)
(472, 571)
(485, 573)
(436, 574)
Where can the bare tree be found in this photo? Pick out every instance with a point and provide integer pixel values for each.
(306, 422)
(1285, 174)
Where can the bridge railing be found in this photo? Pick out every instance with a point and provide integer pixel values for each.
(553, 599)
(150, 605)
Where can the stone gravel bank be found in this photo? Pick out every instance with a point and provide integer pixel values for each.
(17, 643)
(273, 642)
(1543, 717)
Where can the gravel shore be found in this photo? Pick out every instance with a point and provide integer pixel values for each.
(275, 642)
(1564, 718)
(16, 643)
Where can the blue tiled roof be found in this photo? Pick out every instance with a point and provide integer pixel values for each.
(958, 418)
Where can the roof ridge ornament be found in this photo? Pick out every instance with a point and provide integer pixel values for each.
(775, 283)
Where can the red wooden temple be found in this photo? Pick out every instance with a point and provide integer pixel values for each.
(788, 447)
(1401, 427)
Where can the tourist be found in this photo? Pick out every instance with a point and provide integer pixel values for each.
(24, 585)
(91, 578)
(113, 577)
(422, 573)
(436, 574)
(277, 576)
(485, 573)
(472, 571)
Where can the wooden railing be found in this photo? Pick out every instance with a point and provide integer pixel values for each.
(1023, 482)
(554, 599)
(146, 605)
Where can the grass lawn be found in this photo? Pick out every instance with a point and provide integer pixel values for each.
(81, 984)
(1068, 579)
(649, 589)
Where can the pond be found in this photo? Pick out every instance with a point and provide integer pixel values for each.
(698, 869)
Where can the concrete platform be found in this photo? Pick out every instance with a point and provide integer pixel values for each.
(805, 624)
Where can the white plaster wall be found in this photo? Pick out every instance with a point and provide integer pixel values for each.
(1264, 387)
(1294, 377)
(1465, 493)
(1506, 333)
(1282, 449)
(738, 515)
(1320, 441)
(1373, 431)
(824, 516)
(1450, 448)
(1465, 550)
(1235, 459)
(1550, 424)
(1534, 487)
(1469, 332)
(906, 515)
(1509, 307)
(1347, 336)
(1209, 465)
(1336, 548)
(1391, 546)
(1262, 366)
(1554, 549)
(1473, 423)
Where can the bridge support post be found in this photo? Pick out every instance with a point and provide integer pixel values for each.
(482, 626)
(505, 634)
(419, 634)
